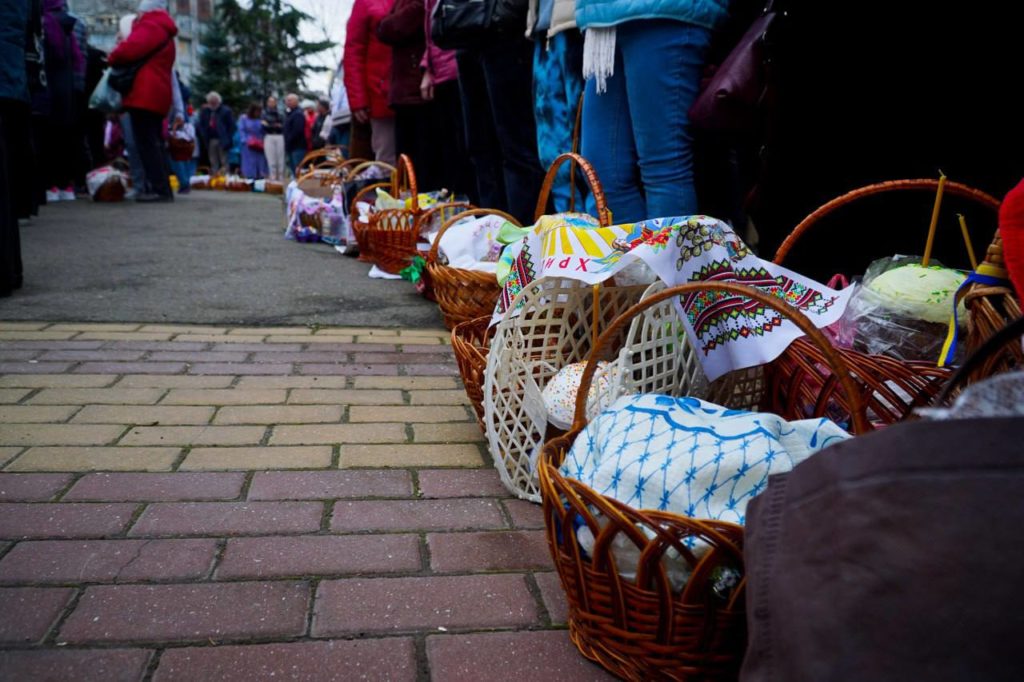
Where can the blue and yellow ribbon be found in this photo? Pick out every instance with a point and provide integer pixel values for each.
(986, 275)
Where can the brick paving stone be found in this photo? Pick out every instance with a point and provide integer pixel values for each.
(235, 344)
(415, 340)
(327, 350)
(239, 368)
(22, 326)
(508, 551)
(174, 346)
(28, 612)
(388, 604)
(341, 396)
(109, 665)
(317, 340)
(57, 380)
(58, 434)
(227, 518)
(97, 396)
(443, 397)
(173, 381)
(291, 382)
(13, 395)
(278, 414)
(467, 432)
(406, 383)
(198, 356)
(312, 434)
(522, 656)
(318, 555)
(451, 514)
(93, 355)
(131, 367)
(434, 333)
(408, 413)
(213, 396)
(30, 344)
(8, 453)
(269, 331)
(32, 367)
(203, 612)
(347, 369)
(525, 514)
(31, 487)
(411, 348)
(20, 521)
(35, 336)
(150, 415)
(93, 327)
(194, 435)
(403, 358)
(219, 340)
(410, 455)
(183, 329)
(77, 561)
(431, 370)
(95, 459)
(329, 485)
(393, 659)
(461, 483)
(554, 597)
(145, 487)
(124, 336)
(318, 355)
(18, 355)
(35, 414)
(254, 458)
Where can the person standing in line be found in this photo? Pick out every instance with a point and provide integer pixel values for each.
(254, 161)
(321, 125)
(184, 168)
(217, 129)
(643, 62)
(368, 73)
(64, 61)
(151, 42)
(294, 132)
(341, 115)
(557, 85)
(309, 111)
(138, 175)
(273, 139)
(15, 34)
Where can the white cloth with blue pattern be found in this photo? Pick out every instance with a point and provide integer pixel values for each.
(690, 457)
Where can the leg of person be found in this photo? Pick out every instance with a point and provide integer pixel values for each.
(383, 139)
(508, 70)
(416, 137)
(146, 126)
(360, 141)
(455, 170)
(218, 163)
(663, 61)
(10, 235)
(273, 149)
(21, 159)
(607, 143)
(295, 157)
(555, 111)
(134, 162)
(482, 146)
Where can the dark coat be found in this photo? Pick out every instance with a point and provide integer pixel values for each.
(223, 126)
(272, 122)
(295, 130)
(13, 23)
(154, 30)
(402, 29)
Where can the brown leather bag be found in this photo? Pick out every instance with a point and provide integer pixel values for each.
(729, 102)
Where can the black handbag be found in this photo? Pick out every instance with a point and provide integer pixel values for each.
(460, 24)
(122, 78)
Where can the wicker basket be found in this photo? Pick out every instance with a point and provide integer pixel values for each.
(462, 294)
(326, 157)
(367, 194)
(640, 629)
(436, 215)
(471, 342)
(991, 308)
(112, 190)
(180, 149)
(800, 384)
(392, 235)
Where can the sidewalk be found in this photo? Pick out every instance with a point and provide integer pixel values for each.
(207, 503)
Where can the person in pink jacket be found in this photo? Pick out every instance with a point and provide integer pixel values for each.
(368, 74)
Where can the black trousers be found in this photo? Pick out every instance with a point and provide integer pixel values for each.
(146, 127)
(10, 235)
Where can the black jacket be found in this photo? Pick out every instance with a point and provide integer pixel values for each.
(272, 121)
(294, 130)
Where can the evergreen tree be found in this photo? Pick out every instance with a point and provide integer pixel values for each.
(218, 61)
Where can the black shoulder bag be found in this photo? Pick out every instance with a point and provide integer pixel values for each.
(122, 78)
(459, 24)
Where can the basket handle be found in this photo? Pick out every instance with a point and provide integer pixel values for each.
(954, 188)
(359, 195)
(604, 216)
(432, 255)
(311, 156)
(992, 345)
(363, 165)
(838, 366)
(405, 178)
(437, 208)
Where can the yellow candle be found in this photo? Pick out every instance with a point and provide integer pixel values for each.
(967, 241)
(935, 220)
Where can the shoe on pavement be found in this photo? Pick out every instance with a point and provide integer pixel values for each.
(152, 198)
(67, 194)
(52, 195)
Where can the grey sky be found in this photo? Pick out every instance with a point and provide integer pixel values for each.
(329, 21)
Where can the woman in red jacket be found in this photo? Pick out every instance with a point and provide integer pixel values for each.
(151, 42)
(368, 73)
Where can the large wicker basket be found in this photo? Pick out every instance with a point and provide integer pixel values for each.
(640, 629)
(471, 342)
(369, 195)
(800, 383)
(392, 236)
(461, 294)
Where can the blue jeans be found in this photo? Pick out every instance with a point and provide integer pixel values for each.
(295, 157)
(184, 170)
(637, 133)
(557, 84)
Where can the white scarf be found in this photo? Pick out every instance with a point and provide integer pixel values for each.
(599, 55)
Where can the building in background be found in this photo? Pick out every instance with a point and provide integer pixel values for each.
(101, 16)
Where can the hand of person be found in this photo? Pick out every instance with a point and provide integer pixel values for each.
(361, 115)
(427, 86)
